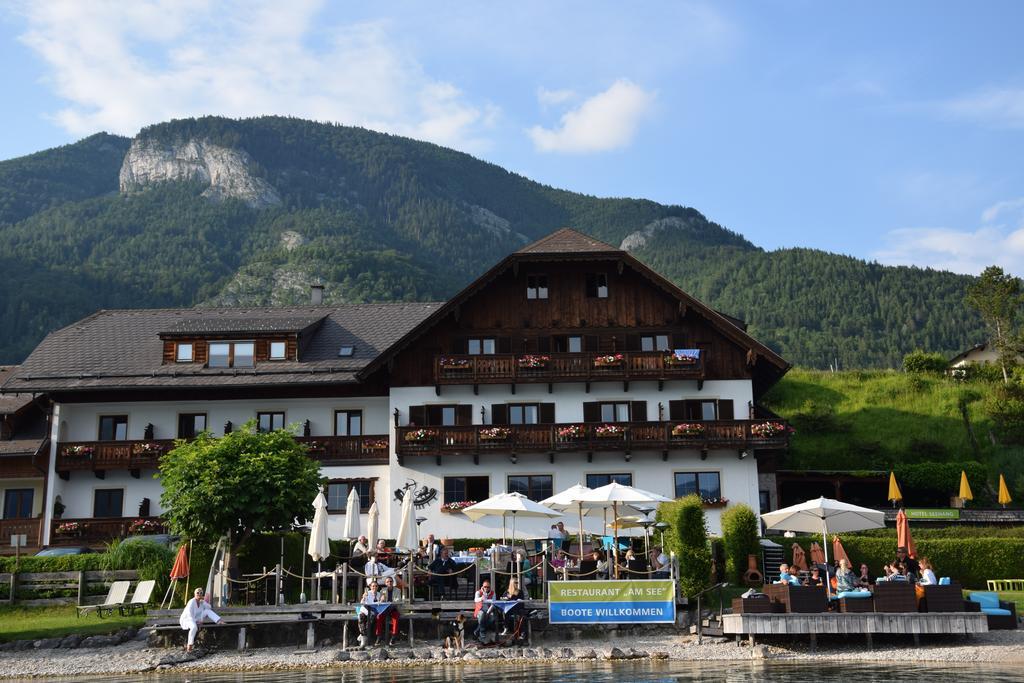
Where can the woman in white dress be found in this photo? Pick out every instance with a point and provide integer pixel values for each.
(192, 616)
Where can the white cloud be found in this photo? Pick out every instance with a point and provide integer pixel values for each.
(962, 251)
(1002, 107)
(121, 66)
(550, 98)
(604, 122)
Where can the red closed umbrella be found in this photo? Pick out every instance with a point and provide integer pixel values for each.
(180, 568)
(839, 552)
(799, 557)
(903, 537)
(817, 554)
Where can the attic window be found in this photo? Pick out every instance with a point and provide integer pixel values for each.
(278, 350)
(183, 353)
(346, 350)
(597, 286)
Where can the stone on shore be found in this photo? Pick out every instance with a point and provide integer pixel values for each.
(615, 653)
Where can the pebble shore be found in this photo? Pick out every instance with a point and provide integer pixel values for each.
(135, 656)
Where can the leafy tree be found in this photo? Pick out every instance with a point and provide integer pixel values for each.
(920, 362)
(997, 296)
(688, 538)
(740, 539)
(239, 484)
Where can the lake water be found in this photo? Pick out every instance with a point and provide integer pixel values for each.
(648, 672)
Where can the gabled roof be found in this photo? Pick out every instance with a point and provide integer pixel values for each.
(11, 403)
(122, 349)
(568, 244)
(230, 321)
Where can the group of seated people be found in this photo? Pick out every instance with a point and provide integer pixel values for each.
(490, 615)
(372, 622)
(844, 579)
(596, 564)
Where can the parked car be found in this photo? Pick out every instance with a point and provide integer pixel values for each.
(167, 540)
(65, 550)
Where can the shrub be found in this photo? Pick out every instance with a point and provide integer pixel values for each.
(687, 537)
(1005, 405)
(934, 483)
(739, 539)
(921, 362)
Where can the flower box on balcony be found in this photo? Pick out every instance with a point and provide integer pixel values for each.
(690, 429)
(714, 502)
(455, 363)
(81, 452)
(609, 431)
(145, 526)
(147, 448)
(376, 444)
(458, 506)
(680, 359)
(420, 435)
(70, 529)
(495, 434)
(767, 430)
(533, 362)
(572, 432)
(609, 361)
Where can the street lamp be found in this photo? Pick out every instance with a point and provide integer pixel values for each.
(661, 526)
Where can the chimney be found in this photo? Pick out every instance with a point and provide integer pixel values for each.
(316, 294)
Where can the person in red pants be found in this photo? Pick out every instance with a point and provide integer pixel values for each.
(392, 595)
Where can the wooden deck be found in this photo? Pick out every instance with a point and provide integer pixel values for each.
(866, 624)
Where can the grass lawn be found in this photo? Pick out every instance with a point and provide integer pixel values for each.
(25, 623)
(1014, 596)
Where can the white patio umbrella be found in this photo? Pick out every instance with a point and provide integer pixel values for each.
(514, 504)
(407, 537)
(319, 544)
(612, 496)
(372, 520)
(570, 499)
(826, 516)
(351, 529)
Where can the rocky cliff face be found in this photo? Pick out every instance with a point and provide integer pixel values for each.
(638, 240)
(227, 172)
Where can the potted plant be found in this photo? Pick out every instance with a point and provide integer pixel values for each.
(144, 526)
(766, 430)
(80, 451)
(147, 448)
(681, 359)
(714, 502)
(571, 432)
(531, 362)
(495, 433)
(457, 506)
(376, 444)
(419, 435)
(608, 361)
(688, 429)
(454, 363)
(69, 529)
(609, 431)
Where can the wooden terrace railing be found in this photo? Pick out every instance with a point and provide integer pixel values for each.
(93, 530)
(560, 367)
(32, 527)
(348, 450)
(599, 436)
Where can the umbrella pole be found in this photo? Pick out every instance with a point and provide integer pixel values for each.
(581, 526)
(824, 538)
(615, 535)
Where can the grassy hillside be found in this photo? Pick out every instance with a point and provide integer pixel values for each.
(925, 426)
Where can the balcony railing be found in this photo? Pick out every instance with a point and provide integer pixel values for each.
(348, 450)
(94, 530)
(611, 436)
(138, 455)
(31, 527)
(560, 367)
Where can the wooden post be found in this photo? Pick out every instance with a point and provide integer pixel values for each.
(410, 630)
(344, 583)
(14, 587)
(81, 588)
(241, 638)
(334, 588)
(310, 637)
(279, 599)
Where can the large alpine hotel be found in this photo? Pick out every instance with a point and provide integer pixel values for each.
(569, 361)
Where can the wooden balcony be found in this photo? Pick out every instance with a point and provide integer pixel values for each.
(32, 528)
(565, 367)
(348, 450)
(626, 437)
(97, 530)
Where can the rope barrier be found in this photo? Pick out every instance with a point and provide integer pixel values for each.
(258, 578)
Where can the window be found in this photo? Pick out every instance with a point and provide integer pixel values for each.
(707, 484)
(654, 342)
(269, 422)
(476, 347)
(231, 354)
(348, 423)
(571, 344)
(536, 487)
(346, 351)
(18, 503)
(113, 427)
(278, 350)
(536, 286)
(191, 424)
(441, 415)
(700, 409)
(338, 492)
(466, 489)
(597, 286)
(598, 480)
(524, 413)
(108, 503)
(183, 353)
(615, 412)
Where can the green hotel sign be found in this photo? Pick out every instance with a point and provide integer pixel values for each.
(932, 513)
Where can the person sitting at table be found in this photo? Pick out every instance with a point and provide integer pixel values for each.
(927, 573)
(864, 579)
(382, 550)
(659, 563)
(899, 572)
(513, 592)
(442, 571)
(373, 568)
(558, 561)
(431, 548)
(786, 577)
(367, 617)
(361, 547)
(483, 609)
(392, 595)
(846, 580)
(601, 563)
(815, 578)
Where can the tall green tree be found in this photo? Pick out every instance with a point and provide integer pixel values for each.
(997, 296)
(243, 483)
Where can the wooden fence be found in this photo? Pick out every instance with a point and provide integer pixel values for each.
(90, 586)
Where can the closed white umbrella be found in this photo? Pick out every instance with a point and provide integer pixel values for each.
(351, 529)
(372, 520)
(407, 537)
(612, 496)
(824, 515)
(319, 544)
(514, 504)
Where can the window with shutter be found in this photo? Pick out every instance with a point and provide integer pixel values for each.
(418, 415)
(677, 410)
(524, 413)
(547, 413)
(725, 409)
(591, 412)
(504, 344)
(638, 411)
(499, 414)
(464, 415)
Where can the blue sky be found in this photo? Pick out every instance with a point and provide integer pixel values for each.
(889, 131)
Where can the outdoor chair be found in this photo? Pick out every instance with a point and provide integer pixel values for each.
(943, 598)
(756, 604)
(587, 571)
(115, 598)
(637, 569)
(895, 596)
(855, 602)
(140, 598)
(1000, 613)
(798, 599)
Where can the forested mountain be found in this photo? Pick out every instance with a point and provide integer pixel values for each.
(223, 211)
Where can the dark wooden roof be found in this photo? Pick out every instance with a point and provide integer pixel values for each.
(230, 321)
(567, 241)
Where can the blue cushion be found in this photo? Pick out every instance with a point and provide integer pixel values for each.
(855, 594)
(996, 611)
(944, 581)
(794, 581)
(986, 599)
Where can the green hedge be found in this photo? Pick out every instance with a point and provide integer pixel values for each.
(740, 539)
(971, 561)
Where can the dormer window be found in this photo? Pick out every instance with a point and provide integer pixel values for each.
(597, 286)
(346, 351)
(184, 353)
(232, 354)
(278, 350)
(536, 286)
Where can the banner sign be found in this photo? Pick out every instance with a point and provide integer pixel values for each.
(932, 513)
(651, 601)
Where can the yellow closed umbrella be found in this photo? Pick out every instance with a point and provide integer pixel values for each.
(894, 489)
(1004, 493)
(965, 488)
